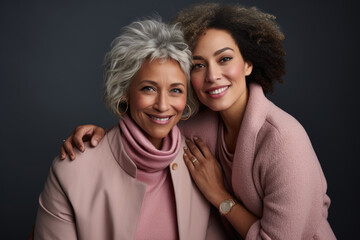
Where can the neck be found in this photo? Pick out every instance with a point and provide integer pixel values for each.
(149, 155)
(156, 142)
(232, 118)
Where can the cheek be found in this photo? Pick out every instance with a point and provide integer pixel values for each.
(197, 81)
(179, 104)
(138, 102)
(236, 73)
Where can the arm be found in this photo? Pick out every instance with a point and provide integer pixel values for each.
(207, 174)
(77, 138)
(290, 184)
(55, 218)
(292, 188)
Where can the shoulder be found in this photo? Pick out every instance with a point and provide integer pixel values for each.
(284, 151)
(203, 125)
(283, 130)
(203, 119)
(263, 120)
(276, 139)
(94, 159)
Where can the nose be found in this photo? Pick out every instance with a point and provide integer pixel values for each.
(162, 102)
(213, 72)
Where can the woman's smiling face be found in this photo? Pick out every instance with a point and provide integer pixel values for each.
(157, 98)
(219, 70)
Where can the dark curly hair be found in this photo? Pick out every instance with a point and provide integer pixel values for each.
(256, 33)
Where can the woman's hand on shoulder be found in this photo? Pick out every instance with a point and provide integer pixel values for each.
(78, 136)
(208, 176)
(205, 171)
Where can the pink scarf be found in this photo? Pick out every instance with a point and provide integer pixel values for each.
(142, 151)
(158, 211)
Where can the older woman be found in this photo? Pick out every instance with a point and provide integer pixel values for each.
(273, 186)
(134, 185)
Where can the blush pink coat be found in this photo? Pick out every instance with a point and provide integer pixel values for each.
(275, 174)
(98, 197)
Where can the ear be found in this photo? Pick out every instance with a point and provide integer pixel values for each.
(248, 68)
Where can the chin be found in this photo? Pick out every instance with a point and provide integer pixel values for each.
(159, 134)
(217, 107)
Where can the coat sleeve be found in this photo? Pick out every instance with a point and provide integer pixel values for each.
(55, 218)
(293, 188)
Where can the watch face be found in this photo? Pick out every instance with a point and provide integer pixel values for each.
(225, 207)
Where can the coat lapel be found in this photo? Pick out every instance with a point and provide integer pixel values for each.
(242, 172)
(192, 209)
(132, 192)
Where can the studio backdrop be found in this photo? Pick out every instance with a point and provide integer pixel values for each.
(51, 73)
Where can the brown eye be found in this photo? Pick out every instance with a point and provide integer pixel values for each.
(225, 59)
(197, 66)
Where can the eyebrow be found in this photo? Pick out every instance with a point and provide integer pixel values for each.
(155, 83)
(215, 53)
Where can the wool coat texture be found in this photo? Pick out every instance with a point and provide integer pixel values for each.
(97, 196)
(276, 174)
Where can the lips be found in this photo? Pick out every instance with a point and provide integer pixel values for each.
(160, 119)
(217, 92)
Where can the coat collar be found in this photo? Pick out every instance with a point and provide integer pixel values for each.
(254, 118)
(117, 149)
(255, 112)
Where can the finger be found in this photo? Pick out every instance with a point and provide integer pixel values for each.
(203, 147)
(188, 163)
(195, 161)
(194, 149)
(80, 134)
(69, 148)
(62, 153)
(98, 135)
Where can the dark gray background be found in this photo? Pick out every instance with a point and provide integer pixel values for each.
(51, 57)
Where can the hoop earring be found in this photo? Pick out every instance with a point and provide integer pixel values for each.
(188, 116)
(118, 106)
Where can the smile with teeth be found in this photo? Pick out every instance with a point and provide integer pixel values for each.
(163, 119)
(217, 91)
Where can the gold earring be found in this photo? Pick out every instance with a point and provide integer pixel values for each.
(118, 106)
(188, 116)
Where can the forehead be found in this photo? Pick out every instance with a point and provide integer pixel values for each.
(213, 39)
(161, 71)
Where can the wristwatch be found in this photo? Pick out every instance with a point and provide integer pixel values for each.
(226, 206)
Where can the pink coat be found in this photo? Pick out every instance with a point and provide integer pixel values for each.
(276, 174)
(98, 197)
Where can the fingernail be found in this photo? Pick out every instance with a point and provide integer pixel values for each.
(184, 154)
(185, 148)
(95, 142)
(187, 140)
(196, 138)
(82, 148)
(72, 157)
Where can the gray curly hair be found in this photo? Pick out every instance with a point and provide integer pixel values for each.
(147, 39)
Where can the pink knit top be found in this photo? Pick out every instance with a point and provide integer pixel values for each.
(225, 157)
(158, 212)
